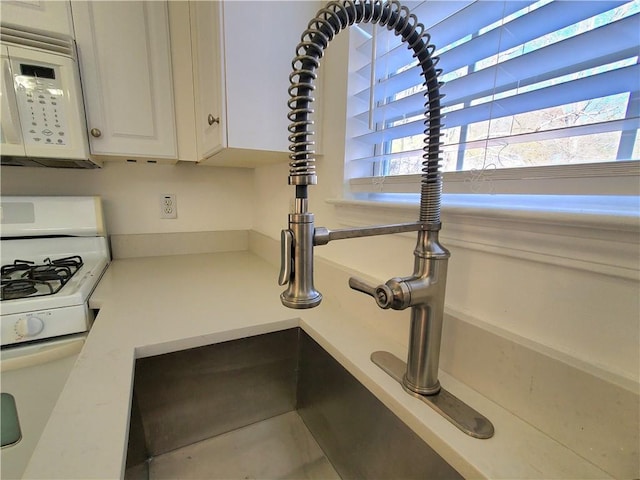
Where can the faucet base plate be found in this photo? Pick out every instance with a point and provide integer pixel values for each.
(449, 406)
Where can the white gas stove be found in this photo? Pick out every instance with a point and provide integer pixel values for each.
(53, 252)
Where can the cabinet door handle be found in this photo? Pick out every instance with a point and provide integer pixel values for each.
(95, 132)
(211, 119)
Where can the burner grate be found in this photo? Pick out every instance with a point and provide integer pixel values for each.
(24, 278)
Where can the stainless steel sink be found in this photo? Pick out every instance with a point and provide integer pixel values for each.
(270, 406)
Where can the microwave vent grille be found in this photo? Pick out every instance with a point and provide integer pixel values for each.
(60, 44)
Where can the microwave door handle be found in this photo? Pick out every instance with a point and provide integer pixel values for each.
(10, 118)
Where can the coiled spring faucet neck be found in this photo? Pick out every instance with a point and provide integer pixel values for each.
(298, 241)
(328, 22)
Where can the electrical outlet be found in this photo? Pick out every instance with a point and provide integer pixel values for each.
(168, 206)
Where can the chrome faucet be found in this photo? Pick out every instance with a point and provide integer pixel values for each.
(424, 290)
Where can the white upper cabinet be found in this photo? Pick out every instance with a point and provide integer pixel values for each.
(125, 61)
(209, 80)
(40, 15)
(241, 60)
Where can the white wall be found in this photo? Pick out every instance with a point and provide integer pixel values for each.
(208, 198)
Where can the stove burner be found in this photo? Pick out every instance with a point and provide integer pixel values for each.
(24, 278)
(22, 288)
(16, 266)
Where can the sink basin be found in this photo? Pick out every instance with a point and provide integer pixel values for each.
(269, 406)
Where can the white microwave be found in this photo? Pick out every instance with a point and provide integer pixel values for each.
(42, 120)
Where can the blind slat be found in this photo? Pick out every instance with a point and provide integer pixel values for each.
(609, 83)
(584, 50)
(603, 127)
(587, 51)
(437, 16)
(548, 18)
(438, 11)
(629, 170)
(475, 15)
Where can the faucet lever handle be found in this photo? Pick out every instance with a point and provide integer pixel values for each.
(382, 293)
(286, 256)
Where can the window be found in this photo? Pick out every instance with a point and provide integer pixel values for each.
(541, 97)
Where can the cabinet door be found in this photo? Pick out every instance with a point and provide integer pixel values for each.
(207, 48)
(125, 63)
(41, 15)
(259, 48)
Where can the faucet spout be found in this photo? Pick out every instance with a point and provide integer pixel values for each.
(301, 236)
(297, 263)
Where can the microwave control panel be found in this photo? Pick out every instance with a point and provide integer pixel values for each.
(42, 105)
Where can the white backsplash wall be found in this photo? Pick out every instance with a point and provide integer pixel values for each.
(208, 198)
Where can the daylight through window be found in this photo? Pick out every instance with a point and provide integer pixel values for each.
(527, 84)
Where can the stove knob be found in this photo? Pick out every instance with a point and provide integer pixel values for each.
(29, 326)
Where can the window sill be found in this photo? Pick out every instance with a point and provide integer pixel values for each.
(595, 233)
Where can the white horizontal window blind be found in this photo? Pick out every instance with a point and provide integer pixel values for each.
(534, 89)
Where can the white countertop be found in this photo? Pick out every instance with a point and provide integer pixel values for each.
(155, 305)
